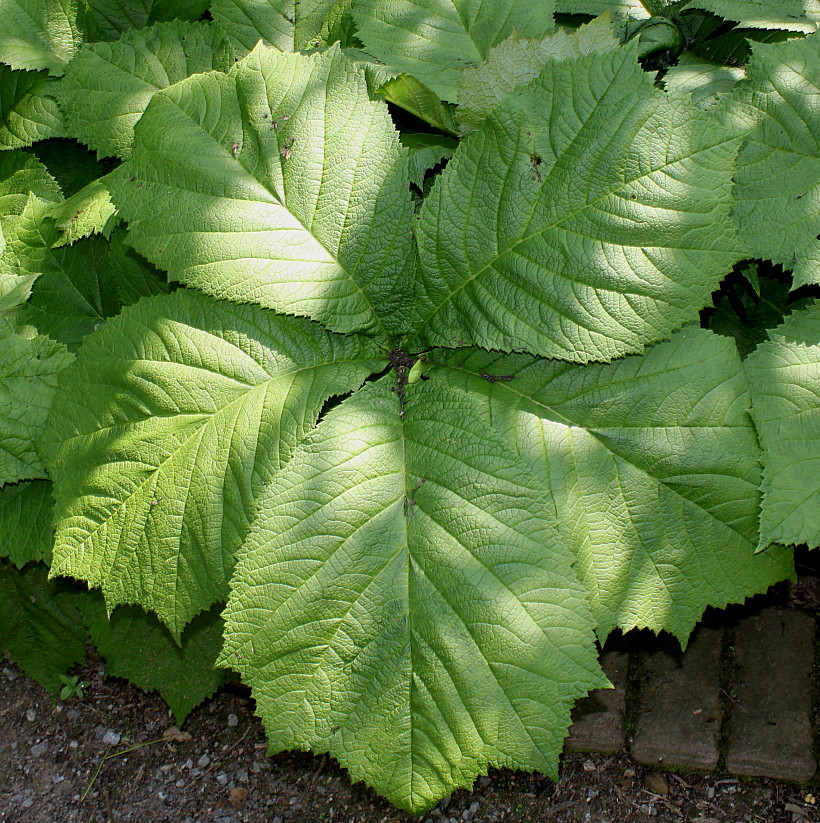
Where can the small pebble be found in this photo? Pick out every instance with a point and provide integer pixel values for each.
(73, 744)
(203, 761)
(242, 775)
(233, 720)
(39, 749)
(474, 807)
(710, 792)
(484, 780)
(180, 784)
(31, 715)
(222, 779)
(12, 675)
(188, 764)
(111, 737)
(73, 714)
(276, 819)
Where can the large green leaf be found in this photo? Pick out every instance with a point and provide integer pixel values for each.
(778, 176)
(38, 34)
(281, 184)
(139, 648)
(28, 112)
(652, 463)
(588, 217)
(108, 85)
(516, 62)
(40, 626)
(174, 415)
(26, 517)
(28, 377)
(435, 40)
(403, 602)
(784, 376)
(289, 25)
(792, 15)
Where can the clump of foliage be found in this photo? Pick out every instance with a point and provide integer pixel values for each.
(436, 339)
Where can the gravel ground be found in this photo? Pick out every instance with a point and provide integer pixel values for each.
(75, 762)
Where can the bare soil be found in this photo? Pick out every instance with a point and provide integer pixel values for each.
(60, 764)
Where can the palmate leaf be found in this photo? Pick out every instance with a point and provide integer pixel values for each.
(435, 40)
(28, 112)
(289, 25)
(162, 434)
(40, 626)
(108, 85)
(588, 217)
(282, 184)
(516, 62)
(26, 518)
(139, 648)
(781, 222)
(784, 377)
(28, 377)
(652, 464)
(39, 34)
(403, 603)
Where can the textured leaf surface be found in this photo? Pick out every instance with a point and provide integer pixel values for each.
(28, 377)
(27, 111)
(515, 62)
(175, 414)
(108, 85)
(26, 516)
(434, 40)
(784, 376)
(652, 464)
(289, 25)
(792, 15)
(778, 177)
(40, 626)
(38, 34)
(702, 79)
(281, 184)
(403, 604)
(587, 217)
(139, 648)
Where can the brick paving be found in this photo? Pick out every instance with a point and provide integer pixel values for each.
(744, 706)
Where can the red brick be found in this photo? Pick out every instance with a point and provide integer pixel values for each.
(598, 719)
(770, 733)
(680, 713)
